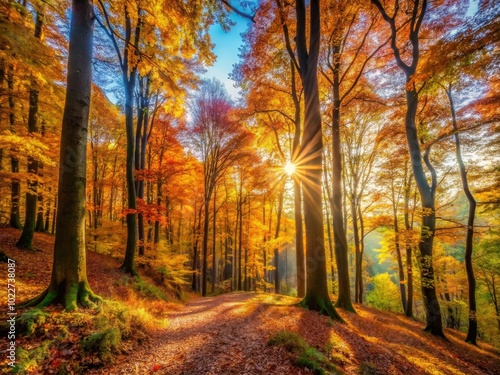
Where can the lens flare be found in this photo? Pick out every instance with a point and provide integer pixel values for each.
(289, 168)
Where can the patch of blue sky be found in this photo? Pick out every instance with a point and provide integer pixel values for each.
(227, 46)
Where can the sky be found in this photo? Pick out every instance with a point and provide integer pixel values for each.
(226, 49)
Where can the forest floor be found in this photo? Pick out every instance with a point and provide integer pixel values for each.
(229, 333)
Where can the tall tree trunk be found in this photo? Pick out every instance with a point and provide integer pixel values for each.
(426, 191)
(297, 193)
(469, 244)
(69, 284)
(427, 196)
(361, 252)
(401, 272)
(276, 236)
(26, 239)
(54, 215)
(39, 226)
(128, 263)
(196, 234)
(408, 245)
(310, 157)
(47, 213)
(214, 229)
(339, 234)
(240, 234)
(326, 191)
(15, 217)
(141, 141)
(204, 255)
(30, 219)
(129, 76)
(358, 261)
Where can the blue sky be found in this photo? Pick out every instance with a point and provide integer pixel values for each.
(226, 49)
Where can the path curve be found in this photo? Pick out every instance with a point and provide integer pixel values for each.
(211, 335)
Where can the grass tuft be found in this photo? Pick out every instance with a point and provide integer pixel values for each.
(31, 321)
(305, 355)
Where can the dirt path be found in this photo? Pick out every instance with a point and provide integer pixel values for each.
(215, 335)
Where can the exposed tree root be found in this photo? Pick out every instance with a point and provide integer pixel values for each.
(324, 307)
(72, 296)
(129, 270)
(346, 305)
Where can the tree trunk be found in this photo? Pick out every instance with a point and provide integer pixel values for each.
(26, 239)
(129, 74)
(433, 311)
(469, 244)
(339, 235)
(297, 195)
(240, 235)
(409, 247)
(204, 255)
(401, 273)
(128, 263)
(358, 261)
(214, 228)
(15, 217)
(158, 203)
(69, 284)
(39, 226)
(299, 239)
(310, 159)
(361, 252)
(330, 246)
(47, 214)
(326, 191)
(54, 215)
(426, 191)
(276, 236)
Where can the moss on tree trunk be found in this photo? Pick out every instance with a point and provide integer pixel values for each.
(69, 284)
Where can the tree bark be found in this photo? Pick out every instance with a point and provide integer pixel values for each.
(426, 191)
(214, 229)
(339, 234)
(69, 284)
(277, 285)
(310, 159)
(408, 245)
(128, 263)
(297, 194)
(239, 224)
(26, 239)
(15, 217)
(469, 244)
(401, 273)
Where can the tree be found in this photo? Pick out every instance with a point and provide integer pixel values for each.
(472, 330)
(220, 141)
(147, 39)
(269, 80)
(69, 284)
(427, 191)
(383, 295)
(309, 160)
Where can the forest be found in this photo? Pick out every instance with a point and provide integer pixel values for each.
(338, 212)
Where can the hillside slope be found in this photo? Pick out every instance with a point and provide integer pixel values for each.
(228, 334)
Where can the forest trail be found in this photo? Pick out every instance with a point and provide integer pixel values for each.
(228, 334)
(213, 335)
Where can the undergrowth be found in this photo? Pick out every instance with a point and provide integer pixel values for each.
(304, 355)
(58, 342)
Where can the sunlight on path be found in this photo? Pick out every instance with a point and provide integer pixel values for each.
(215, 335)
